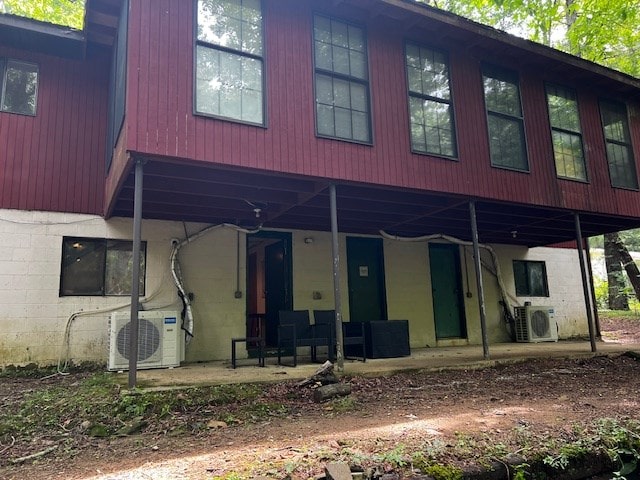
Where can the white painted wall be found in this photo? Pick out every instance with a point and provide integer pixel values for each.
(33, 316)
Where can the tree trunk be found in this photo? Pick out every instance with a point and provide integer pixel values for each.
(623, 257)
(617, 298)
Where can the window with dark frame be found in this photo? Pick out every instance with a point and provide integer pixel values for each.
(19, 87)
(504, 118)
(530, 278)
(117, 84)
(341, 80)
(615, 126)
(99, 267)
(430, 106)
(229, 60)
(566, 132)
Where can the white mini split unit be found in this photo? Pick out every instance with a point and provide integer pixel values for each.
(160, 340)
(535, 324)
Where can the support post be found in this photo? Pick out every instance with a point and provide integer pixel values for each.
(585, 281)
(335, 249)
(478, 269)
(594, 303)
(135, 274)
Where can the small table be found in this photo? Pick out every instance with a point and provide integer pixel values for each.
(247, 340)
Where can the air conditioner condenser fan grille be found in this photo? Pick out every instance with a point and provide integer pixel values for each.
(540, 324)
(148, 340)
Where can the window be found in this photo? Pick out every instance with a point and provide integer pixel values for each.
(19, 87)
(504, 118)
(117, 83)
(622, 168)
(430, 108)
(530, 278)
(566, 133)
(229, 62)
(342, 80)
(98, 266)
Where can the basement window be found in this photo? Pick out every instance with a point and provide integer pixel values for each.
(99, 267)
(19, 87)
(530, 278)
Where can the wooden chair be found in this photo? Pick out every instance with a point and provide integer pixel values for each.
(295, 330)
(352, 333)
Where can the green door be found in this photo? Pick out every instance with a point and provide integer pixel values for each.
(365, 271)
(446, 288)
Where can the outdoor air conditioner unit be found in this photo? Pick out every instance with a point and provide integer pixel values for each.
(535, 324)
(160, 340)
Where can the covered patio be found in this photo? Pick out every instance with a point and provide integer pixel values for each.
(158, 188)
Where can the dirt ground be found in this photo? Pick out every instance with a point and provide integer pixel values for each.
(456, 414)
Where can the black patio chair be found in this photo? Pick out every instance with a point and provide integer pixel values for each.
(295, 330)
(352, 334)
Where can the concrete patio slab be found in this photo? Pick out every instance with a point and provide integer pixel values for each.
(465, 357)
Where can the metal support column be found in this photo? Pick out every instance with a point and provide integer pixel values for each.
(335, 249)
(478, 268)
(135, 274)
(585, 281)
(594, 303)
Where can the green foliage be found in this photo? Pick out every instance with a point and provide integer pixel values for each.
(343, 404)
(601, 287)
(622, 442)
(395, 457)
(603, 31)
(69, 13)
(98, 402)
(443, 472)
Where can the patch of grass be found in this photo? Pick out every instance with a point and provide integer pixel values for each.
(97, 406)
(343, 404)
(633, 314)
(443, 472)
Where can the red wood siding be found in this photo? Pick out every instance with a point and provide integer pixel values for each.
(54, 161)
(160, 119)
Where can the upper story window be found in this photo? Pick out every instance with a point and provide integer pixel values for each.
(229, 60)
(566, 132)
(117, 83)
(19, 87)
(504, 118)
(341, 80)
(622, 167)
(99, 266)
(430, 107)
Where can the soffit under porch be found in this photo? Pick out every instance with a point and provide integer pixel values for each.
(250, 198)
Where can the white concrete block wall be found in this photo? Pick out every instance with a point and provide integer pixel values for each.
(565, 285)
(33, 316)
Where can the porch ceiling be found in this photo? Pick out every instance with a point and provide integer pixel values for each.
(194, 193)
